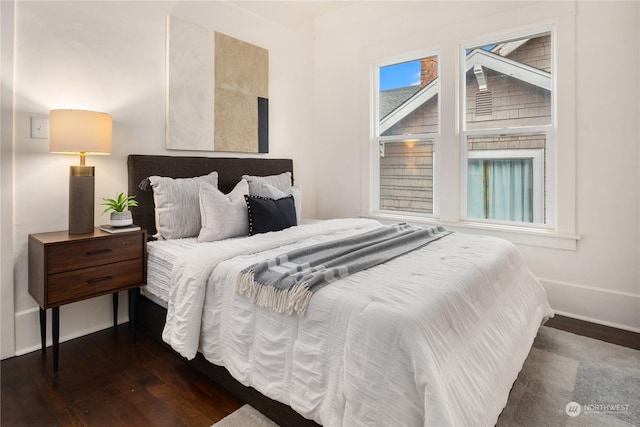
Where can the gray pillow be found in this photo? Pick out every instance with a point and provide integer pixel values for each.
(282, 182)
(223, 215)
(177, 205)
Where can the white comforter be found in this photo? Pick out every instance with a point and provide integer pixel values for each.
(435, 337)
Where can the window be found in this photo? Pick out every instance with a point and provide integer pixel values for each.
(504, 175)
(507, 129)
(504, 90)
(406, 131)
(506, 185)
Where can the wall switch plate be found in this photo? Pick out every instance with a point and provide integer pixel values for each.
(39, 127)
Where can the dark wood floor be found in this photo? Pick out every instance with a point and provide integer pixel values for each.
(599, 332)
(105, 379)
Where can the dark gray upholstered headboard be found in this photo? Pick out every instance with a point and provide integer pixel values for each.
(230, 170)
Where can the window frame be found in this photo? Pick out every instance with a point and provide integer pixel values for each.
(378, 141)
(549, 130)
(560, 19)
(426, 137)
(536, 155)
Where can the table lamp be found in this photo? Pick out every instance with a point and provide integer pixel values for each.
(80, 132)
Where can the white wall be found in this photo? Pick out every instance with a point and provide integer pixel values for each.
(600, 279)
(110, 57)
(7, 318)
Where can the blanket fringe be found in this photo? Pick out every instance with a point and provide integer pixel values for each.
(290, 301)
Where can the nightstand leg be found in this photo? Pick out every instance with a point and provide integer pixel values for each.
(115, 311)
(133, 298)
(55, 329)
(43, 329)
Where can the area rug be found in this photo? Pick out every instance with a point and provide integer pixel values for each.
(567, 380)
(570, 380)
(246, 416)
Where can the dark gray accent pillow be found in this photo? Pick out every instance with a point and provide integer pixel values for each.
(269, 214)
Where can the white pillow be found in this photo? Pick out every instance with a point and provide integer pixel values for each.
(223, 215)
(269, 191)
(282, 182)
(177, 205)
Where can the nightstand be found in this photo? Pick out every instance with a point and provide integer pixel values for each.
(65, 268)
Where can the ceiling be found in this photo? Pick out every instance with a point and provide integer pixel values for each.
(315, 8)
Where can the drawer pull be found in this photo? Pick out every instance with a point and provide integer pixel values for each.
(98, 280)
(99, 251)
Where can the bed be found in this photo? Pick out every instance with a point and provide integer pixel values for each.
(436, 336)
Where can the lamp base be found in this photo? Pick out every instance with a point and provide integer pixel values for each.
(81, 199)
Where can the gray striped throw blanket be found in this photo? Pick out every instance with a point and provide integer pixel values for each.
(286, 283)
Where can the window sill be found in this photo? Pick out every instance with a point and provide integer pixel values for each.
(518, 235)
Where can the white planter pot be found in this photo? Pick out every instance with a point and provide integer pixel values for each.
(120, 219)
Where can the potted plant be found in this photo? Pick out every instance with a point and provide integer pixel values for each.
(120, 216)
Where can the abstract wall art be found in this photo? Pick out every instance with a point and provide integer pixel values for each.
(218, 91)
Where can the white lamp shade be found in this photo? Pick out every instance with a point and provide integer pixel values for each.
(79, 131)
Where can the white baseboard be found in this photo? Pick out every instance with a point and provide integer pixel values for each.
(606, 307)
(76, 320)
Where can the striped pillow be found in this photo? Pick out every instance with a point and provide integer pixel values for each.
(177, 205)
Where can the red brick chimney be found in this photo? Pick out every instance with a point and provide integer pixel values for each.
(428, 70)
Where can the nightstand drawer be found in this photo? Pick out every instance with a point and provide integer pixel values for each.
(94, 252)
(66, 268)
(80, 284)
